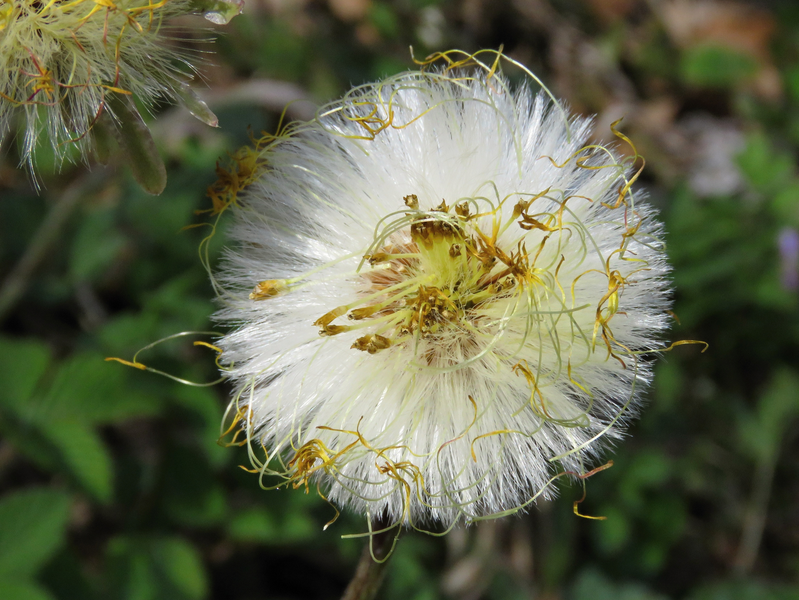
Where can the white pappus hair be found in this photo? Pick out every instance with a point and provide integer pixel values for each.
(440, 297)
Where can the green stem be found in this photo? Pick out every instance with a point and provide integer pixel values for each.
(371, 569)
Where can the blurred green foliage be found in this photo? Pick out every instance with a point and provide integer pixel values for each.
(113, 485)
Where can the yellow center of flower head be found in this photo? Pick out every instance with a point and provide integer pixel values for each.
(432, 273)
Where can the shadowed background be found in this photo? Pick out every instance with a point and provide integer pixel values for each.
(112, 483)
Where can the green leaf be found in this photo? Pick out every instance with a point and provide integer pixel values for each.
(408, 575)
(22, 364)
(129, 570)
(86, 388)
(614, 532)
(209, 507)
(716, 66)
(23, 590)
(126, 333)
(767, 169)
(785, 204)
(384, 17)
(191, 496)
(592, 585)
(54, 427)
(762, 432)
(668, 385)
(32, 527)
(779, 404)
(281, 53)
(65, 576)
(744, 590)
(155, 569)
(95, 246)
(84, 455)
(649, 469)
(792, 82)
(253, 525)
(181, 566)
(159, 223)
(178, 298)
(298, 526)
(29, 441)
(502, 588)
(206, 407)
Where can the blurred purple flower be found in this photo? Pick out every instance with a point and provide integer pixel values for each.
(788, 243)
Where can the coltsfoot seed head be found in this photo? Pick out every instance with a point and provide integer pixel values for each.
(441, 298)
(63, 63)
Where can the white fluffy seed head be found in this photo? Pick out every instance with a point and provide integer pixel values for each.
(440, 298)
(60, 59)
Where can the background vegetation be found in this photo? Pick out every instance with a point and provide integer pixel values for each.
(112, 484)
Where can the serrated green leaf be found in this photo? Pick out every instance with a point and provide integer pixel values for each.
(32, 527)
(84, 455)
(12, 589)
(22, 364)
(86, 388)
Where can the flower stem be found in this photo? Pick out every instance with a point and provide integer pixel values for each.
(371, 567)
